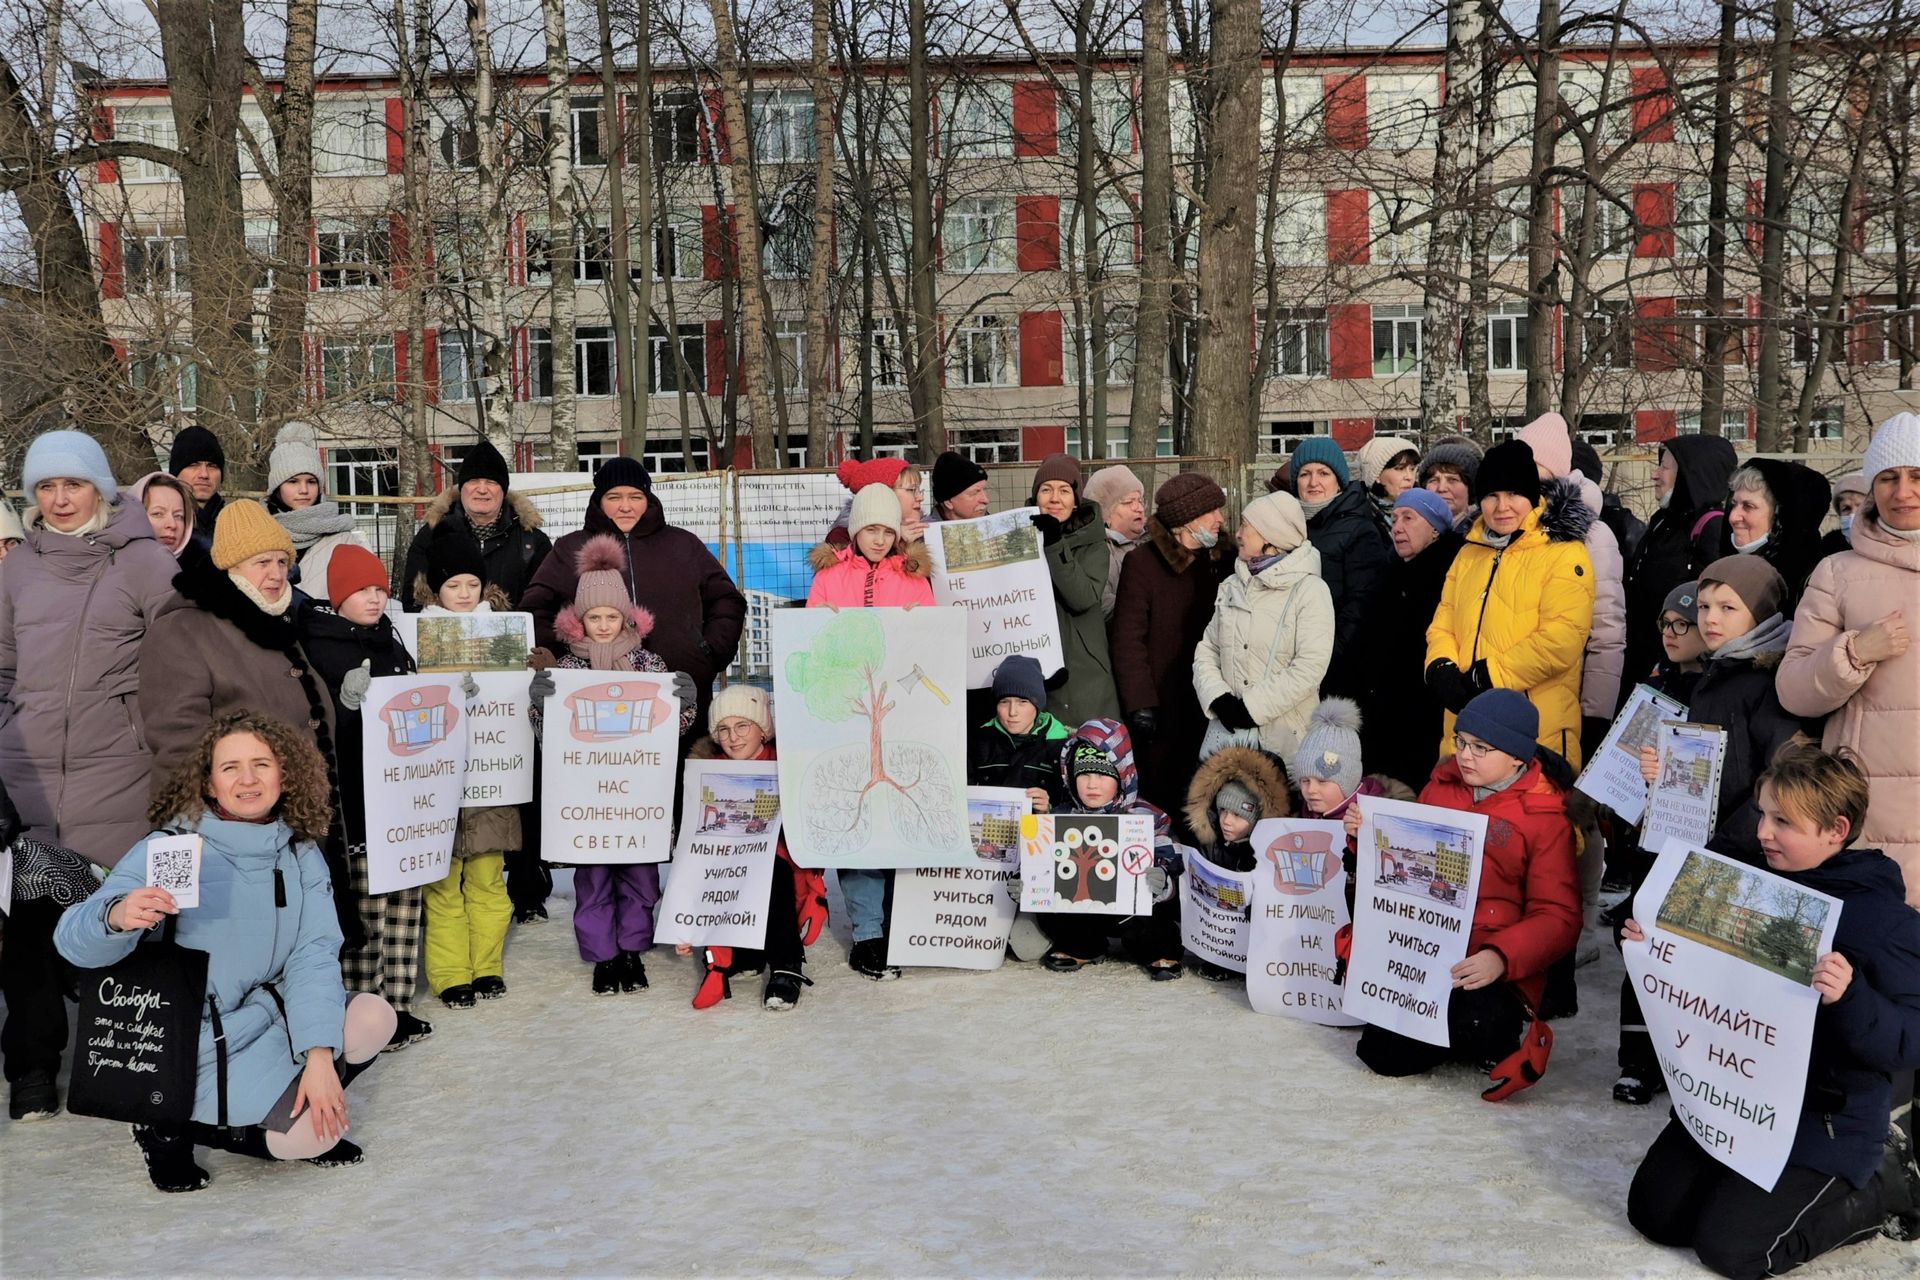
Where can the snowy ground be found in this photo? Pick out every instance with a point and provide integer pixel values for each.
(1012, 1123)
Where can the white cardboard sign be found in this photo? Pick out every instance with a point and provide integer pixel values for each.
(960, 917)
(1299, 904)
(413, 743)
(611, 740)
(993, 568)
(1215, 914)
(1684, 802)
(719, 885)
(1613, 776)
(1086, 863)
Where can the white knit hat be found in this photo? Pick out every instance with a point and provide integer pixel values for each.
(1895, 444)
(746, 701)
(1279, 520)
(1376, 453)
(875, 504)
(296, 452)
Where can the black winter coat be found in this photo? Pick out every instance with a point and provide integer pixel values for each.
(335, 647)
(1400, 718)
(1737, 695)
(513, 553)
(1670, 553)
(1355, 554)
(996, 758)
(1871, 1032)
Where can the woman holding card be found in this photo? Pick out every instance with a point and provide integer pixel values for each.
(286, 1038)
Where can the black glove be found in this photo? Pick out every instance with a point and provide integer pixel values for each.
(1453, 688)
(9, 819)
(1593, 731)
(1049, 528)
(1233, 713)
(1481, 678)
(1143, 724)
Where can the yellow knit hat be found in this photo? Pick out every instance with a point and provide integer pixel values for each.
(243, 531)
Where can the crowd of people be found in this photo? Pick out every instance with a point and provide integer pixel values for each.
(1456, 625)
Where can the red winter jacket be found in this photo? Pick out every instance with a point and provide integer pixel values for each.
(1529, 904)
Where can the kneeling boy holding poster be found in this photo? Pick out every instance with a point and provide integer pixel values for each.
(1463, 901)
(1766, 1009)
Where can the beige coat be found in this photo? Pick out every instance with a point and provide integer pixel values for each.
(1873, 709)
(1269, 644)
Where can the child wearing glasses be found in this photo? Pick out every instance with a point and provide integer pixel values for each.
(1527, 915)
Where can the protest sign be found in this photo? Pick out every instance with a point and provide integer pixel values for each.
(1086, 863)
(413, 748)
(1299, 904)
(1685, 800)
(959, 917)
(1214, 919)
(611, 741)
(873, 736)
(1417, 878)
(1613, 776)
(500, 740)
(717, 889)
(1724, 983)
(173, 864)
(993, 568)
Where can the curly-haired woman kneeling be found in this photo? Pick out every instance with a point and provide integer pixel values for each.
(256, 792)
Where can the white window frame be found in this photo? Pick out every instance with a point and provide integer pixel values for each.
(1299, 228)
(253, 121)
(663, 370)
(349, 137)
(459, 348)
(579, 111)
(172, 373)
(594, 379)
(263, 243)
(977, 235)
(1401, 109)
(1404, 345)
(684, 114)
(362, 254)
(1123, 349)
(782, 126)
(989, 342)
(1305, 99)
(1116, 230)
(680, 245)
(789, 339)
(976, 119)
(1399, 247)
(151, 125)
(1301, 344)
(1507, 338)
(889, 355)
(1112, 118)
(157, 262)
(985, 444)
(369, 372)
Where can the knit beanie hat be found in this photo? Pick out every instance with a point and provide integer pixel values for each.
(1187, 497)
(1429, 504)
(1235, 796)
(1089, 759)
(744, 702)
(1586, 460)
(620, 473)
(1683, 600)
(1552, 444)
(68, 455)
(1111, 486)
(1058, 466)
(1376, 453)
(1757, 583)
(1019, 677)
(1852, 482)
(352, 568)
(1319, 449)
(600, 585)
(1457, 453)
(11, 530)
(1330, 748)
(857, 475)
(1896, 443)
(1508, 468)
(875, 504)
(244, 530)
(1278, 518)
(195, 444)
(296, 452)
(450, 553)
(1505, 720)
(953, 475)
(482, 462)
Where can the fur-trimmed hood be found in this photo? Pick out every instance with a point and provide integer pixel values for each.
(518, 505)
(212, 591)
(1561, 516)
(568, 626)
(915, 561)
(425, 597)
(1178, 555)
(1257, 771)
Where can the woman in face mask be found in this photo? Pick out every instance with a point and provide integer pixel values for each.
(1774, 510)
(1849, 495)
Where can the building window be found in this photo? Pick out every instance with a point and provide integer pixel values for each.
(1300, 343)
(1294, 115)
(593, 361)
(349, 137)
(1613, 232)
(1691, 203)
(352, 255)
(456, 249)
(668, 375)
(263, 250)
(1112, 118)
(1581, 89)
(1401, 229)
(1607, 335)
(1121, 350)
(590, 149)
(357, 366)
(539, 364)
(663, 457)
(592, 251)
(977, 118)
(978, 235)
(1693, 332)
(782, 126)
(362, 473)
(1116, 232)
(676, 126)
(985, 444)
(887, 359)
(1507, 338)
(679, 251)
(157, 264)
(787, 232)
(790, 351)
(1828, 422)
(1396, 340)
(151, 125)
(1400, 109)
(983, 353)
(536, 247)
(459, 359)
(1119, 442)
(1299, 228)
(459, 144)
(1278, 438)
(169, 376)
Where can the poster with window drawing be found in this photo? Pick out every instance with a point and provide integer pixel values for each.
(611, 742)
(1299, 904)
(413, 743)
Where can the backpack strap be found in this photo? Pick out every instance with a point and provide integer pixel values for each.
(219, 1054)
(1706, 519)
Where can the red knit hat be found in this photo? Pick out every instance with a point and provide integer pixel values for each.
(353, 568)
(857, 475)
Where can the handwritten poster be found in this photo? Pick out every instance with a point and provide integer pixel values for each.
(720, 882)
(1299, 904)
(1613, 776)
(413, 743)
(993, 568)
(1086, 864)
(611, 741)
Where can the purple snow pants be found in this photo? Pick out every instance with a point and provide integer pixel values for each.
(613, 909)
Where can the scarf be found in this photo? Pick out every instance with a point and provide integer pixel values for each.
(613, 654)
(1313, 509)
(1260, 564)
(1498, 541)
(1481, 793)
(272, 608)
(308, 525)
(484, 533)
(1665, 498)
(102, 516)
(1911, 535)
(1769, 637)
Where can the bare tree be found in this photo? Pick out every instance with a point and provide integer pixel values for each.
(562, 226)
(1453, 179)
(768, 449)
(1156, 233)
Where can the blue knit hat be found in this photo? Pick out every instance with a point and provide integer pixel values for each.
(1429, 504)
(1319, 449)
(1505, 720)
(1019, 677)
(68, 455)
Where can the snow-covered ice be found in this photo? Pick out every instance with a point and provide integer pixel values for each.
(1001, 1124)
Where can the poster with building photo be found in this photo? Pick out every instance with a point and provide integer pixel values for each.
(1216, 911)
(960, 917)
(718, 885)
(1613, 776)
(492, 648)
(992, 567)
(1684, 802)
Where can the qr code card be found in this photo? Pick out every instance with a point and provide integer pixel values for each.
(173, 864)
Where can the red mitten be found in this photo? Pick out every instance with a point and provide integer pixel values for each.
(713, 983)
(810, 898)
(1343, 943)
(1522, 1068)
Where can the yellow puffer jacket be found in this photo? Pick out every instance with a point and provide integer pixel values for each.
(1526, 611)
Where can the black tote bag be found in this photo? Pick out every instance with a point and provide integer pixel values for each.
(136, 1056)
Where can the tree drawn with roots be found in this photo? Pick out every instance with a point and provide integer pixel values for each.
(841, 676)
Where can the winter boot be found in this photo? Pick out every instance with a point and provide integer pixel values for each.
(1900, 1187)
(34, 1097)
(529, 915)
(633, 972)
(338, 1156)
(243, 1140)
(491, 987)
(869, 959)
(714, 984)
(783, 989)
(1638, 1091)
(458, 997)
(406, 1030)
(169, 1155)
(1593, 935)
(1213, 972)
(606, 978)
(1562, 997)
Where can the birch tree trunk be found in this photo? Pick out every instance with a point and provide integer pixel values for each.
(763, 428)
(496, 351)
(413, 35)
(1473, 346)
(290, 120)
(820, 265)
(924, 378)
(1156, 232)
(1453, 174)
(1540, 247)
(1713, 376)
(1087, 142)
(561, 223)
(632, 352)
(1768, 434)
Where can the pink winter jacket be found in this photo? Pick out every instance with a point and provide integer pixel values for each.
(1874, 709)
(848, 580)
(1606, 655)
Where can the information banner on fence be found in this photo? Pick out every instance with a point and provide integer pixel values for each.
(1299, 904)
(959, 917)
(413, 751)
(1214, 918)
(1086, 864)
(1724, 983)
(717, 888)
(611, 742)
(1613, 776)
(1418, 875)
(992, 567)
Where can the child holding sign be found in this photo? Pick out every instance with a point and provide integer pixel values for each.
(1020, 746)
(877, 570)
(1527, 914)
(350, 640)
(1328, 770)
(604, 630)
(468, 911)
(1233, 789)
(1850, 1173)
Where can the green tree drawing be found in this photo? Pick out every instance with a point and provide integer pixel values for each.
(836, 675)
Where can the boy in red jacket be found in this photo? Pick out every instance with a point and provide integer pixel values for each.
(1527, 914)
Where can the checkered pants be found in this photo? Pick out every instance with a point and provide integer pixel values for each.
(389, 964)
